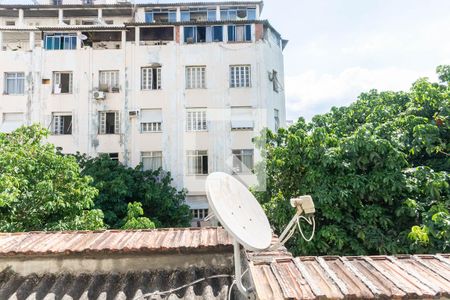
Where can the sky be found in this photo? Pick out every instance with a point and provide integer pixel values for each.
(340, 48)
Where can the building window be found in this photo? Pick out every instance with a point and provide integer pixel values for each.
(196, 120)
(10, 23)
(185, 16)
(197, 162)
(212, 15)
(199, 214)
(239, 33)
(15, 83)
(57, 2)
(61, 124)
(160, 16)
(195, 77)
(151, 120)
(114, 156)
(242, 118)
(232, 14)
(151, 78)
(276, 114)
(240, 76)
(203, 34)
(109, 122)
(151, 160)
(61, 41)
(109, 81)
(11, 121)
(243, 161)
(62, 82)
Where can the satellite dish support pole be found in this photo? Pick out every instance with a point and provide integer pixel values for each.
(238, 270)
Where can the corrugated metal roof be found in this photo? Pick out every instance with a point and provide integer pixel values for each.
(129, 4)
(81, 27)
(278, 275)
(118, 286)
(117, 241)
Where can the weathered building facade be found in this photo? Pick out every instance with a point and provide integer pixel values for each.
(183, 86)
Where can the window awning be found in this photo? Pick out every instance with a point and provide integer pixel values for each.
(151, 115)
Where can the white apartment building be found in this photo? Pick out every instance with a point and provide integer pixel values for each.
(182, 86)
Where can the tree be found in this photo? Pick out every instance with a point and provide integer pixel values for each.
(376, 169)
(134, 219)
(41, 189)
(119, 185)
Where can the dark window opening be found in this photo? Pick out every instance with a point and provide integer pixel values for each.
(218, 34)
(67, 124)
(157, 34)
(110, 123)
(65, 83)
(114, 156)
(204, 164)
(130, 35)
(103, 39)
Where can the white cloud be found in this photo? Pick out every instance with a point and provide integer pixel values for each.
(311, 93)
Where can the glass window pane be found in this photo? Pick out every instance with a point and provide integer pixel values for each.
(189, 34)
(251, 14)
(218, 34)
(148, 17)
(248, 33)
(211, 15)
(172, 16)
(185, 16)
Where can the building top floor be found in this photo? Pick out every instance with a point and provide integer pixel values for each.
(131, 12)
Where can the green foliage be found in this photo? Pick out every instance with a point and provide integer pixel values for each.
(134, 219)
(119, 185)
(40, 189)
(377, 171)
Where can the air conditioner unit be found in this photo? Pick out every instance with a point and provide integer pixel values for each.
(99, 95)
(133, 113)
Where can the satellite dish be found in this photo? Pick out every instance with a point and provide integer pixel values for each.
(241, 216)
(238, 211)
(82, 37)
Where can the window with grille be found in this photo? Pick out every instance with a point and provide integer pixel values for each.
(243, 161)
(151, 160)
(109, 81)
(62, 82)
(195, 77)
(199, 214)
(276, 114)
(15, 83)
(109, 122)
(151, 78)
(197, 162)
(240, 76)
(61, 124)
(196, 120)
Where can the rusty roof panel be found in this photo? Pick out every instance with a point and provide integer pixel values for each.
(363, 277)
(112, 241)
